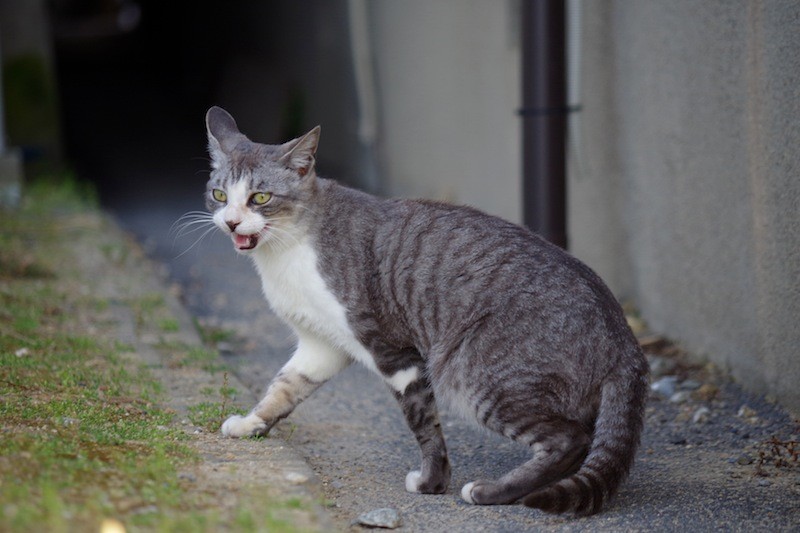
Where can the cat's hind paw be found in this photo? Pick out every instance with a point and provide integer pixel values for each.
(466, 492)
(413, 481)
(244, 426)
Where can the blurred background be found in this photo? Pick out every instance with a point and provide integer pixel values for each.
(657, 140)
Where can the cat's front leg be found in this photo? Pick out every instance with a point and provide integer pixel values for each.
(313, 363)
(415, 396)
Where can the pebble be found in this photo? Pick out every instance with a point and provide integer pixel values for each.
(386, 518)
(745, 459)
(746, 412)
(225, 347)
(296, 477)
(690, 384)
(701, 416)
(665, 386)
(682, 396)
(22, 352)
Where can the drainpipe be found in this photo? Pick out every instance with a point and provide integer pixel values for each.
(544, 118)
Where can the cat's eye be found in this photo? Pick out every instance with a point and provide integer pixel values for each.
(219, 195)
(261, 198)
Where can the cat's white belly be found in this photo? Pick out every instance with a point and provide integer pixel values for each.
(297, 293)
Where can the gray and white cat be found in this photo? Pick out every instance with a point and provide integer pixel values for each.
(443, 303)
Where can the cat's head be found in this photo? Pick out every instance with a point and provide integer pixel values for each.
(257, 193)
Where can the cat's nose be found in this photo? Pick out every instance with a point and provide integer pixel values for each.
(232, 224)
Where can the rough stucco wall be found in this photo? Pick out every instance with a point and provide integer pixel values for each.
(448, 91)
(691, 132)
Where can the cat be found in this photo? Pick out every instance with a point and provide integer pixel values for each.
(444, 303)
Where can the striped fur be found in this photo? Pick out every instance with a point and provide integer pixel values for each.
(444, 303)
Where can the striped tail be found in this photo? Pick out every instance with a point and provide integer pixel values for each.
(616, 437)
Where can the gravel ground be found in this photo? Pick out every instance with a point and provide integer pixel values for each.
(712, 456)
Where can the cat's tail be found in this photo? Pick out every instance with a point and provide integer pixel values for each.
(616, 437)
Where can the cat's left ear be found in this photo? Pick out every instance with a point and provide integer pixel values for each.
(300, 152)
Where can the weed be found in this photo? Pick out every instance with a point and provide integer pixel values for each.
(210, 415)
(169, 325)
(213, 335)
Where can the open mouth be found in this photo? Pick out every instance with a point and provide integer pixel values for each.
(242, 243)
(245, 242)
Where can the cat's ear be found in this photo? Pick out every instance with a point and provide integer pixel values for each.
(223, 135)
(300, 152)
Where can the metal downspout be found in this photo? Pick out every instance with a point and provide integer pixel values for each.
(544, 118)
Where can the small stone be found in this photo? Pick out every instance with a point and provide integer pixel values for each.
(296, 477)
(22, 352)
(690, 384)
(386, 518)
(764, 483)
(682, 396)
(746, 412)
(665, 386)
(678, 440)
(67, 421)
(745, 459)
(225, 347)
(701, 416)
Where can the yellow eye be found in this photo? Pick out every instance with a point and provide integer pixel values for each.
(219, 195)
(261, 198)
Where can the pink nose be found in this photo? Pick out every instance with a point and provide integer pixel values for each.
(232, 224)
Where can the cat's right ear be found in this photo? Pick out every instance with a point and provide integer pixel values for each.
(223, 134)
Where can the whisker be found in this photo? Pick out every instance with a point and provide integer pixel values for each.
(282, 235)
(196, 242)
(193, 215)
(191, 227)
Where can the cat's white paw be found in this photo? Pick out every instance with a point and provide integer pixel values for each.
(412, 481)
(243, 426)
(466, 492)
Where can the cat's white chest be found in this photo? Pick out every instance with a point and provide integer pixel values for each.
(297, 292)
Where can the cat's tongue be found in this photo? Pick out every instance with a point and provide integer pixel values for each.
(244, 242)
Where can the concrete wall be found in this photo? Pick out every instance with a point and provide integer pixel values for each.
(447, 76)
(685, 189)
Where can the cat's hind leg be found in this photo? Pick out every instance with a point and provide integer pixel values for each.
(559, 447)
(313, 363)
(419, 408)
(414, 393)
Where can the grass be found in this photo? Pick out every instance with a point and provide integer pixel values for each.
(82, 435)
(210, 415)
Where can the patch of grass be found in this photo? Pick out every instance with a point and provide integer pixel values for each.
(169, 325)
(81, 435)
(213, 335)
(146, 307)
